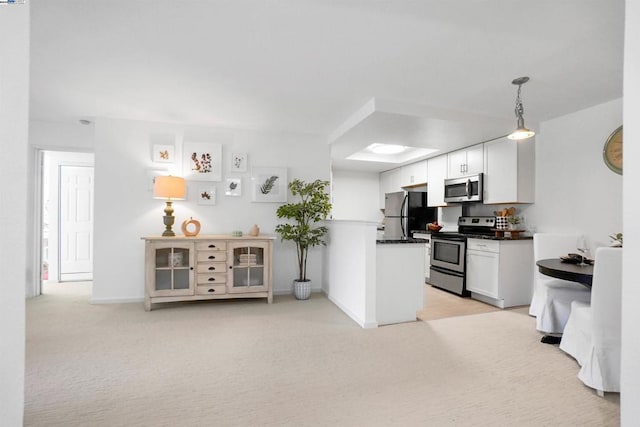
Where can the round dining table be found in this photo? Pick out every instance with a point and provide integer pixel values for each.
(554, 267)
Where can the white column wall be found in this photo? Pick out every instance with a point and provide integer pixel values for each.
(355, 195)
(630, 377)
(125, 209)
(14, 166)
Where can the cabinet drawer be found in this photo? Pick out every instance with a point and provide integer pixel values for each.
(212, 267)
(211, 290)
(213, 245)
(212, 278)
(483, 245)
(204, 256)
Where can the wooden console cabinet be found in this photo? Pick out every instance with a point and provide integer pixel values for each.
(207, 267)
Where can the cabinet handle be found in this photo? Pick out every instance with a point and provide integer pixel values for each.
(211, 268)
(211, 290)
(212, 257)
(212, 279)
(230, 267)
(190, 268)
(212, 246)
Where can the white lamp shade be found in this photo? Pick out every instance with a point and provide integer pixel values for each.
(521, 133)
(169, 187)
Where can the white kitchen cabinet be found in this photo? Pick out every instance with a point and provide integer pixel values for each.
(436, 174)
(413, 174)
(500, 272)
(509, 171)
(389, 183)
(467, 161)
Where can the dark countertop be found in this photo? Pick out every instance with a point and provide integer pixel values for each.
(501, 238)
(400, 240)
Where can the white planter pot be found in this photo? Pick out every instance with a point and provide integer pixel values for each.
(302, 290)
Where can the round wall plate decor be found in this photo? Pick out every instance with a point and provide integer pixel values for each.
(612, 151)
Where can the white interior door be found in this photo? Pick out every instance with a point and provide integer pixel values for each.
(76, 223)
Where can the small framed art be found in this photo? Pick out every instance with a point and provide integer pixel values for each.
(163, 153)
(233, 187)
(238, 162)
(206, 195)
(202, 161)
(269, 184)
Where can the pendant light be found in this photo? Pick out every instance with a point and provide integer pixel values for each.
(521, 132)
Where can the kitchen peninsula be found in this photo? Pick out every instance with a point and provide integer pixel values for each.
(375, 282)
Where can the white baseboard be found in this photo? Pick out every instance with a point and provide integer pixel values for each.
(357, 319)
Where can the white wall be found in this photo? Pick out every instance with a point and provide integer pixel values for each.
(126, 211)
(61, 136)
(630, 377)
(355, 195)
(575, 191)
(14, 116)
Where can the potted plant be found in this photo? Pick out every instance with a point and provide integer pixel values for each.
(312, 207)
(514, 222)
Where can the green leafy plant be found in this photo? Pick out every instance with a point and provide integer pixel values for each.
(312, 207)
(515, 220)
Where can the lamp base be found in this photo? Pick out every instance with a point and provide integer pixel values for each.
(168, 219)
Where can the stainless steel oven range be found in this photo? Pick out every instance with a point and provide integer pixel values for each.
(449, 250)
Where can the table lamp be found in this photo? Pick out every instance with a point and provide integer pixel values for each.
(169, 188)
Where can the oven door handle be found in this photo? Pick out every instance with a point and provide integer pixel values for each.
(446, 271)
(447, 239)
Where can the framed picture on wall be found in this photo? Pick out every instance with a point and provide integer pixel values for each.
(163, 153)
(206, 195)
(238, 162)
(269, 184)
(202, 161)
(233, 187)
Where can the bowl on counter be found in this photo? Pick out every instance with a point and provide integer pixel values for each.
(434, 228)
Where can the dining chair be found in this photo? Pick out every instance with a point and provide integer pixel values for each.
(552, 298)
(592, 334)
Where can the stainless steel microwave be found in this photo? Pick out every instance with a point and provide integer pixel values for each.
(463, 189)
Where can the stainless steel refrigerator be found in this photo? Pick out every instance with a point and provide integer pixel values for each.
(406, 211)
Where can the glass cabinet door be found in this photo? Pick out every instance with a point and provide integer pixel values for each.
(172, 270)
(248, 271)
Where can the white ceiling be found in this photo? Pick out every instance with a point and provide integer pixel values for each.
(438, 73)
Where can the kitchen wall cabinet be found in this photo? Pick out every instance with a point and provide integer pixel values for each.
(436, 174)
(500, 272)
(413, 174)
(467, 161)
(509, 171)
(207, 267)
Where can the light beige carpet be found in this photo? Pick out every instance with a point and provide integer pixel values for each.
(246, 363)
(439, 304)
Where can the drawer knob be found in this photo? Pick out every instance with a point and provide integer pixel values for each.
(211, 268)
(212, 246)
(211, 290)
(212, 279)
(212, 257)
